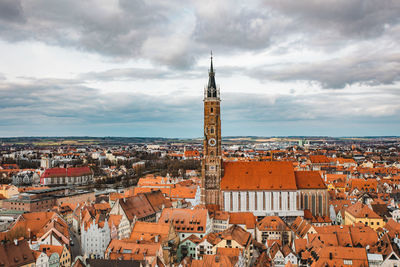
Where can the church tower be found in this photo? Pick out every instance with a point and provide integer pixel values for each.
(212, 158)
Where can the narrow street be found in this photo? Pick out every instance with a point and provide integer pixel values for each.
(76, 248)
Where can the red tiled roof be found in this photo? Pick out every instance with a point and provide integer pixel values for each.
(66, 172)
(309, 180)
(319, 159)
(359, 210)
(272, 223)
(16, 255)
(185, 220)
(243, 218)
(256, 175)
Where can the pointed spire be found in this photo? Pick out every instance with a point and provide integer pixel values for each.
(212, 68)
(211, 88)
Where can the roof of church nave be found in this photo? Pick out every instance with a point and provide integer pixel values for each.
(268, 175)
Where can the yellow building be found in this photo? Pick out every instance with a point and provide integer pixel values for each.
(62, 251)
(65, 259)
(8, 190)
(360, 213)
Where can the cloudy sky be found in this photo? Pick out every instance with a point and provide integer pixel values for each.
(138, 67)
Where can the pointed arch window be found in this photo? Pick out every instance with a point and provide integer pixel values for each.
(255, 201)
(239, 202)
(231, 201)
(247, 201)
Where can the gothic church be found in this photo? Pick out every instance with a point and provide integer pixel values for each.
(263, 188)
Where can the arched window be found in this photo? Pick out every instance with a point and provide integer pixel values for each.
(264, 200)
(255, 201)
(272, 201)
(313, 204)
(239, 202)
(305, 202)
(247, 201)
(231, 201)
(320, 206)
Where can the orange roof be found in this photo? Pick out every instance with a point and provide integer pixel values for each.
(234, 232)
(192, 153)
(213, 260)
(179, 192)
(256, 175)
(319, 159)
(50, 249)
(243, 218)
(335, 256)
(359, 210)
(309, 180)
(186, 220)
(114, 219)
(365, 185)
(131, 250)
(272, 223)
(150, 228)
(221, 215)
(102, 206)
(343, 160)
(333, 177)
(36, 224)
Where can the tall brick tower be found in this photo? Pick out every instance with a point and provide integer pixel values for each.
(212, 159)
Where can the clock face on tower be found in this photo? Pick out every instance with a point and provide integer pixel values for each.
(212, 142)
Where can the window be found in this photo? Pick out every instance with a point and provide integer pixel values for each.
(247, 201)
(347, 262)
(264, 199)
(212, 110)
(255, 201)
(239, 202)
(231, 200)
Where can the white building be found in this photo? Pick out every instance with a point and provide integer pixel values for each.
(42, 260)
(95, 238)
(272, 189)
